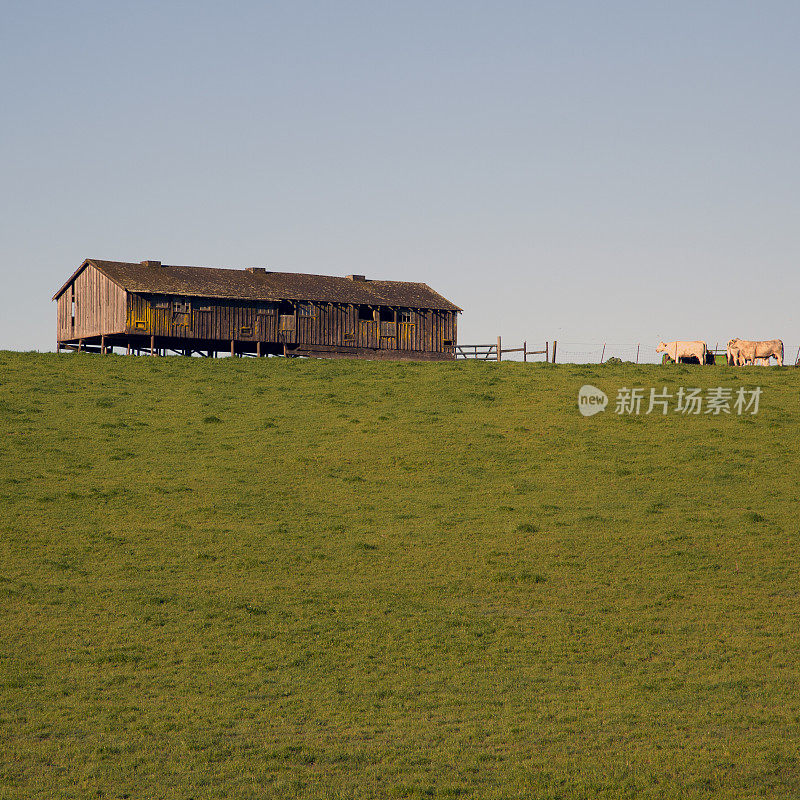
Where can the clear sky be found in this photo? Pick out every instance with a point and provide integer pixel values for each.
(584, 171)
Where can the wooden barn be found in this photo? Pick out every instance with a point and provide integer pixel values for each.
(152, 307)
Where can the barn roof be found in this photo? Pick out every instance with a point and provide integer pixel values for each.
(243, 284)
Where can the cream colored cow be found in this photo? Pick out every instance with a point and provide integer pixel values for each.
(678, 350)
(733, 352)
(755, 352)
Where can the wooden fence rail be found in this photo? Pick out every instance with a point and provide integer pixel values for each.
(495, 352)
(484, 352)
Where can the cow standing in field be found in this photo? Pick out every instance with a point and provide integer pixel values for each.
(679, 350)
(742, 351)
(732, 353)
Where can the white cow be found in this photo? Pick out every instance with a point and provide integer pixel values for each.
(744, 351)
(678, 350)
(733, 352)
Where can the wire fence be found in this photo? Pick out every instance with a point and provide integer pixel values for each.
(601, 352)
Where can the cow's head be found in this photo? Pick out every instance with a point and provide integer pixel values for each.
(662, 348)
(732, 342)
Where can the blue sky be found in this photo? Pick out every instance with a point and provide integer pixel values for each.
(584, 171)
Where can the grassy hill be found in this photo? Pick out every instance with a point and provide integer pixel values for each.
(278, 578)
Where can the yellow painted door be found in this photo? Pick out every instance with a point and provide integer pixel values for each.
(140, 319)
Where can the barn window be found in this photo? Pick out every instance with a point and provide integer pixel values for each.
(246, 330)
(180, 306)
(305, 309)
(448, 342)
(406, 315)
(161, 304)
(365, 314)
(386, 314)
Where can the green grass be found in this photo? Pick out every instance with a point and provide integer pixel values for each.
(280, 578)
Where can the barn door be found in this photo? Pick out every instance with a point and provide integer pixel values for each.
(287, 328)
(161, 320)
(140, 317)
(406, 338)
(265, 325)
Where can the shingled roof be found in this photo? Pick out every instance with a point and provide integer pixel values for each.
(244, 284)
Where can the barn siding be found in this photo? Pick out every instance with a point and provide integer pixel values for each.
(103, 308)
(202, 319)
(64, 327)
(99, 307)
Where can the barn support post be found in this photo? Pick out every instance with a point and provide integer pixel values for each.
(258, 349)
(555, 345)
(499, 349)
(152, 345)
(102, 345)
(58, 347)
(80, 345)
(233, 347)
(128, 348)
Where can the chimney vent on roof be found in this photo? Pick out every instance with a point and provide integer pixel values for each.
(151, 263)
(256, 270)
(356, 277)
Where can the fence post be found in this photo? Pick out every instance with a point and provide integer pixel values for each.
(603, 354)
(525, 352)
(547, 351)
(555, 345)
(637, 353)
(499, 349)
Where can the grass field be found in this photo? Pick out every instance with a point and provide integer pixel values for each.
(294, 578)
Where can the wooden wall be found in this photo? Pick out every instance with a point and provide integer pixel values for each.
(295, 324)
(99, 306)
